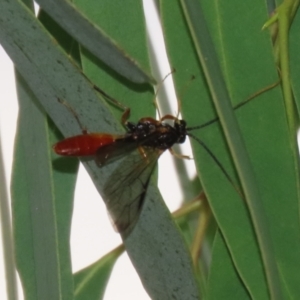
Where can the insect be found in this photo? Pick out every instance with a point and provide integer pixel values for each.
(141, 145)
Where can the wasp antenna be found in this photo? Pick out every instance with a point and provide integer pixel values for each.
(158, 88)
(241, 104)
(203, 125)
(258, 93)
(178, 107)
(218, 164)
(185, 87)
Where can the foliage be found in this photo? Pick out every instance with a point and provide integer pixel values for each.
(254, 246)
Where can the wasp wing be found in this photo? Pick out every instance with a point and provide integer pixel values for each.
(126, 187)
(116, 150)
(122, 146)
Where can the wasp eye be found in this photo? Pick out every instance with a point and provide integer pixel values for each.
(183, 123)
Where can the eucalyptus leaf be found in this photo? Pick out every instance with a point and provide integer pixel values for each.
(94, 39)
(247, 65)
(91, 281)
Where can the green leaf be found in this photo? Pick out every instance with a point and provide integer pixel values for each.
(94, 39)
(220, 96)
(6, 235)
(41, 205)
(294, 57)
(90, 283)
(245, 55)
(222, 271)
(42, 251)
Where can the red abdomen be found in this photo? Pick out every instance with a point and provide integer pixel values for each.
(83, 145)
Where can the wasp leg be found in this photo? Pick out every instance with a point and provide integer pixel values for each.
(126, 110)
(73, 112)
(180, 156)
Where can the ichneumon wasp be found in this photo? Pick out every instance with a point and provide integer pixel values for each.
(143, 142)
